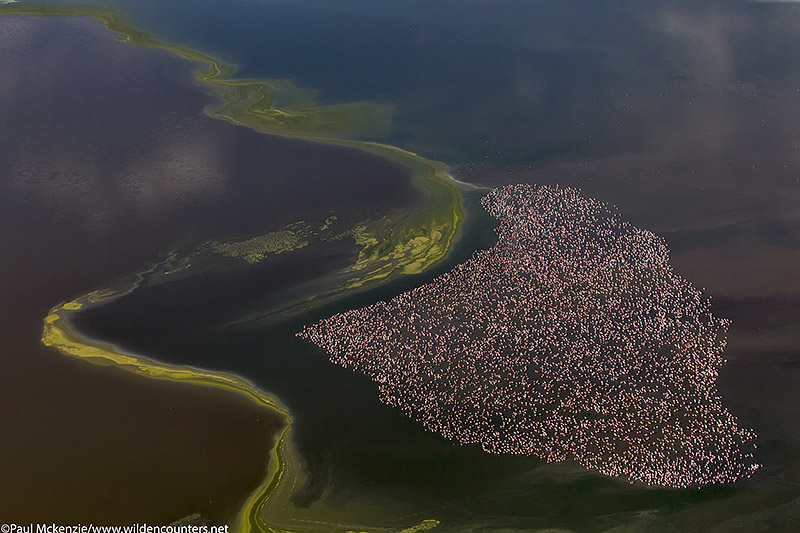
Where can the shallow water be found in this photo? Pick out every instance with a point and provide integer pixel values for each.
(682, 114)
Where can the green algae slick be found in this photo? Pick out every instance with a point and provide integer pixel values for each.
(285, 468)
(402, 242)
(256, 249)
(59, 334)
(268, 106)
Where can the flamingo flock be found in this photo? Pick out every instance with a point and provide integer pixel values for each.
(572, 337)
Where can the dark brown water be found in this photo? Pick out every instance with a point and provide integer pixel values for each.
(107, 160)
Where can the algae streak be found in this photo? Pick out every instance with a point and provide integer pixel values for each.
(256, 249)
(405, 242)
(269, 106)
(285, 469)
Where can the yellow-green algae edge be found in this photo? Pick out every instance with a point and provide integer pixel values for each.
(251, 103)
(58, 334)
(407, 242)
(285, 469)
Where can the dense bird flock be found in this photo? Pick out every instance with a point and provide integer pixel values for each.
(571, 337)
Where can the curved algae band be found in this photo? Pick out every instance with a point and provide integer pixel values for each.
(285, 469)
(269, 106)
(59, 335)
(408, 242)
(413, 241)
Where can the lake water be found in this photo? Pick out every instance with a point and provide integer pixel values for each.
(684, 115)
